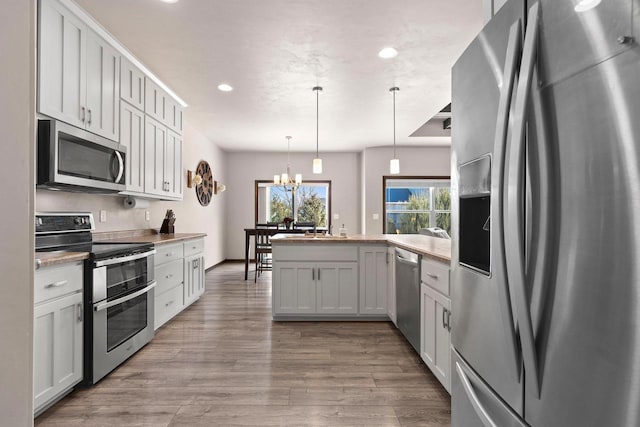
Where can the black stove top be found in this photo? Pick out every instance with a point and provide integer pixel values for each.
(71, 232)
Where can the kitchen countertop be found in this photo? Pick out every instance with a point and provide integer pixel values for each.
(431, 247)
(45, 259)
(156, 239)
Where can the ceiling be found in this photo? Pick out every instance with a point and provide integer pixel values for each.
(273, 52)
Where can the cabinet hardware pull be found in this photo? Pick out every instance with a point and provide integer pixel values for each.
(83, 114)
(168, 304)
(79, 309)
(57, 284)
(444, 322)
(169, 276)
(169, 254)
(89, 118)
(433, 276)
(318, 273)
(313, 274)
(449, 320)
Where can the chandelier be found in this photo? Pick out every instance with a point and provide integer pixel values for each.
(285, 179)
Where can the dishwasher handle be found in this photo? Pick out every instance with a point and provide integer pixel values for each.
(406, 261)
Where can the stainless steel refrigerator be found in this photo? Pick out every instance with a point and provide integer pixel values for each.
(546, 217)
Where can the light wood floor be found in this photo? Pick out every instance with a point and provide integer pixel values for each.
(223, 362)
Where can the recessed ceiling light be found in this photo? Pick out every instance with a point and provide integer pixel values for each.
(169, 1)
(225, 87)
(584, 5)
(388, 52)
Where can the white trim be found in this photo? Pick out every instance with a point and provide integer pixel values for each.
(100, 30)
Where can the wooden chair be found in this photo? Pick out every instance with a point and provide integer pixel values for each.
(263, 250)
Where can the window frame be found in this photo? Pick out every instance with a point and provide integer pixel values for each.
(309, 181)
(432, 212)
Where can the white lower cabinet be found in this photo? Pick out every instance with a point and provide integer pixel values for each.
(373, 279)
(315, 288)
(193, 278)
(435, 326)
(179, 271)
(337, 287)
(58, 326)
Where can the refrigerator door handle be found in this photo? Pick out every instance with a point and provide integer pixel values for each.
(497, 189)
(473, 398)
(513, 209)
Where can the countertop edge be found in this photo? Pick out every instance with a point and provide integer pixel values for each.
(47, 259)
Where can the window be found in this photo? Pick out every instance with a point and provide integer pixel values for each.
(415, 203)
(309, 203)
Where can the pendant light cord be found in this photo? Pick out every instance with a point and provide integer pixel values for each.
(317, 119)
(394, 90)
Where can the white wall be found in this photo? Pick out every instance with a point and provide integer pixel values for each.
(421, 161)
(343, 169)
(191, 216)
(17, 89)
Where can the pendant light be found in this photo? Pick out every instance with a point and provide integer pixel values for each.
(317, 162)
(285, 178)
(394, 164)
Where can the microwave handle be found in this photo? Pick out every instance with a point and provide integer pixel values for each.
(120, 166)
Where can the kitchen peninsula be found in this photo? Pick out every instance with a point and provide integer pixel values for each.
(343, 278)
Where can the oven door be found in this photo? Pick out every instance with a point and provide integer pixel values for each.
(123, 321)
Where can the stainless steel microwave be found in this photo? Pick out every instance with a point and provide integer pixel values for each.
(72, 159)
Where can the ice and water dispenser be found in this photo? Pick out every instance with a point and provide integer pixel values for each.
(475, 215)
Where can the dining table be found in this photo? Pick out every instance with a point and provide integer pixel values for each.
(248, 232)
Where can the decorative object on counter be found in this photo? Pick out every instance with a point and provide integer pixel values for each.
(342, 231)
(131, 202)
(287, 221)
(218, 188)
(317, 162)
(394, 164)
(285, 179)
(204, 189)
(167, 223)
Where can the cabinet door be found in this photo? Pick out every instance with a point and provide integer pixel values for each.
(337, 287)
(132, 137)
(154, 100)
(193, 278)
(62, 42)
(131, 84)
(103, 87)
(173, 165)
(436, 337)
(373, 280)
(155, 137)
(294, 288)
(391, 286)
(57, 363)
(174, 114)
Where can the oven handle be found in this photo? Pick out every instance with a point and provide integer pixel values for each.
(124, 258)
(104, 305)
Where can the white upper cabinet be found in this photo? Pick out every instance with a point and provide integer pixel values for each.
(154, 146)
(78, 73)
(131, 84)
(62, 63)
(103, 87)
(132, 137)
(159, 105)
(173, 164)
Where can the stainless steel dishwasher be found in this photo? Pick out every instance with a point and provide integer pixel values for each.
(408, 295)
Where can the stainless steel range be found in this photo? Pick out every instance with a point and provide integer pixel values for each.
(118, 290)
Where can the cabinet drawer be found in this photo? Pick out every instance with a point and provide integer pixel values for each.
(315, 252)
(436, 275)
(57, 280)
(193, 247)
(166, 253)
(168, 305)
(169, 275)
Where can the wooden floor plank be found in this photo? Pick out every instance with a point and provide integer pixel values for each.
(224, 362)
